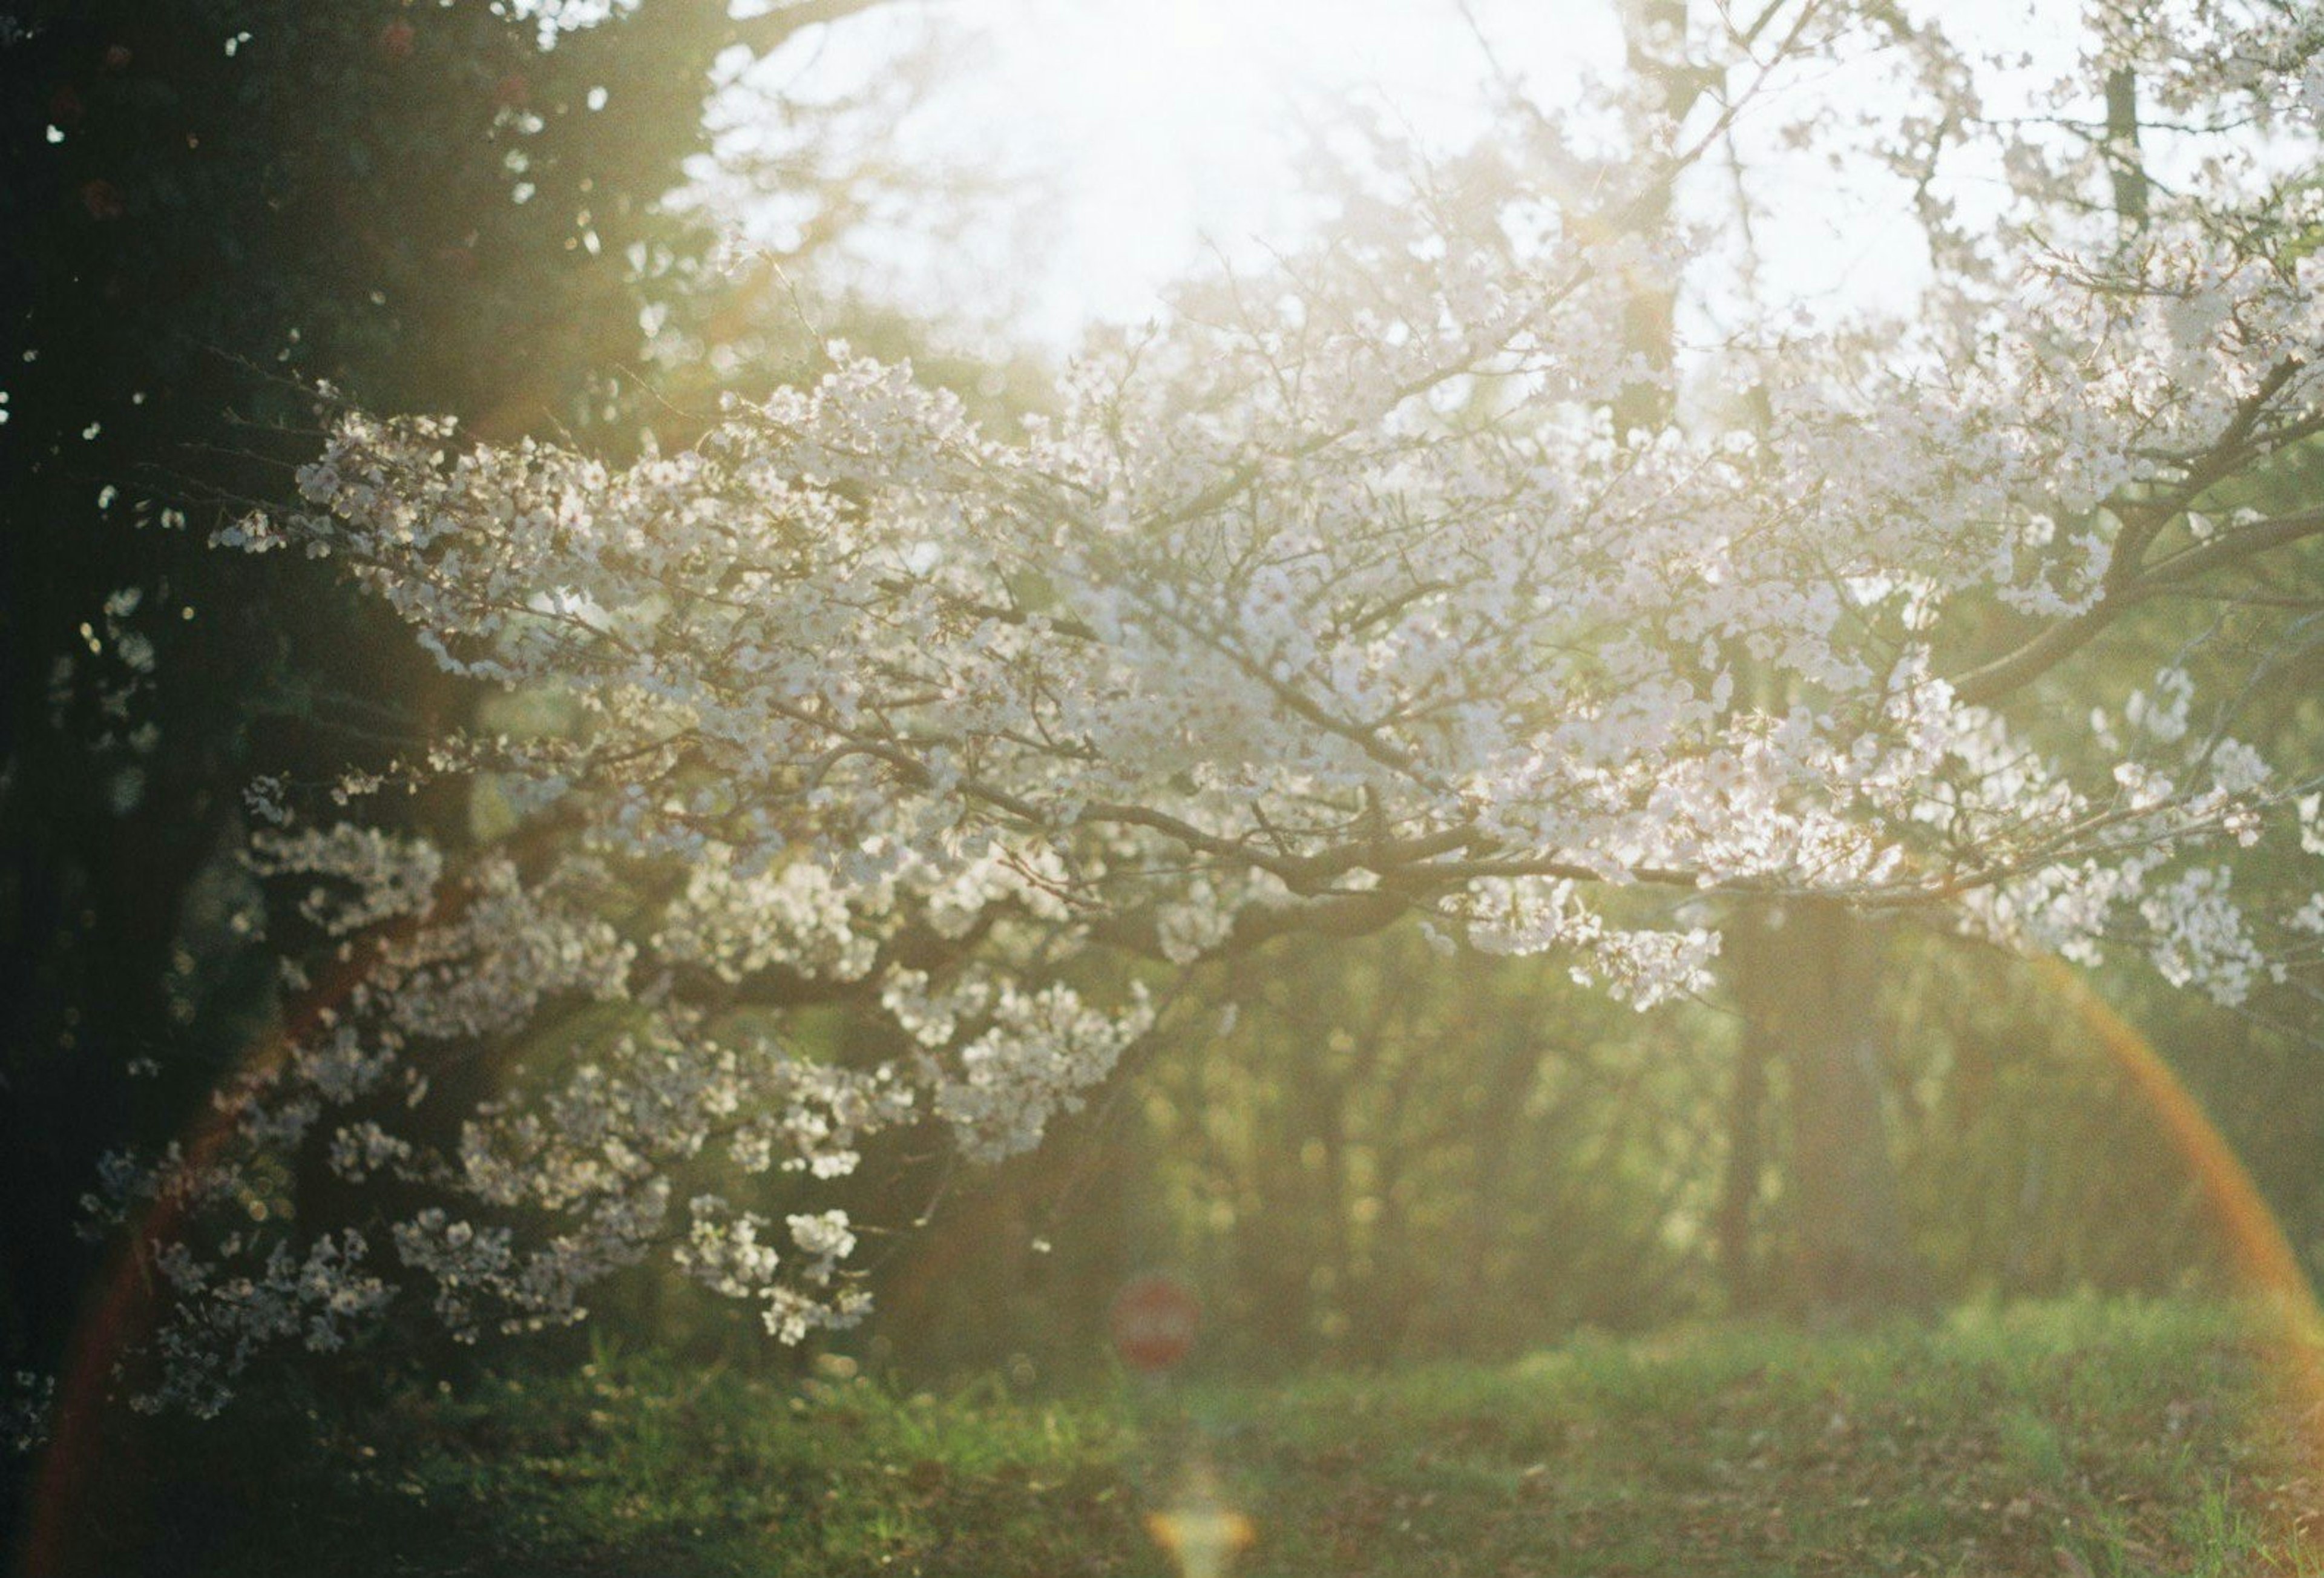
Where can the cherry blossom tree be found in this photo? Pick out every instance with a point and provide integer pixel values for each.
(1360, 588)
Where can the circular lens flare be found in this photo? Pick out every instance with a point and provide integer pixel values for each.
(2265, 1266)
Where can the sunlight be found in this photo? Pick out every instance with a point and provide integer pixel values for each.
(1145, 140)
(1161, 133)
(1185, 127)
(1173, 127)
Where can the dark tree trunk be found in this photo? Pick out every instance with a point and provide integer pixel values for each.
(1804, 974)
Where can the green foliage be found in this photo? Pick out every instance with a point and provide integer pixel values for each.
(1398, 1154)
(1379, 1154)
(2032, 1165)
(1391, 1155)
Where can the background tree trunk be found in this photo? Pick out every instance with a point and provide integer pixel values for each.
(1805, 974)
(1739, 1182)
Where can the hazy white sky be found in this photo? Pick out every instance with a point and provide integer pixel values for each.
(1164, 129)
(1175, 125)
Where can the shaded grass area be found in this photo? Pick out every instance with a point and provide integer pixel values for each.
(2085, 1438)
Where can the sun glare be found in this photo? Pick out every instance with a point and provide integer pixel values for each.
(1162, 134)
(1166, 130)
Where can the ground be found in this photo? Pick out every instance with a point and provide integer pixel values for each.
(2085, 1438)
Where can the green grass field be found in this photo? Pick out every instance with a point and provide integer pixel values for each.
(2084, 1438)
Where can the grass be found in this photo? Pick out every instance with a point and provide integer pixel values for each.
(2095, 1438)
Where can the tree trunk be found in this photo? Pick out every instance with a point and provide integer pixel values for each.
(1747, 1161)
(1804, 974)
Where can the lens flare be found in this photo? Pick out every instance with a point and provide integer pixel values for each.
(1201, 1533)
(2264, 1264)
(70, 1493)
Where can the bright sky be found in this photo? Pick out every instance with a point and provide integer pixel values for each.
(1167, 129)
(1176, 123)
